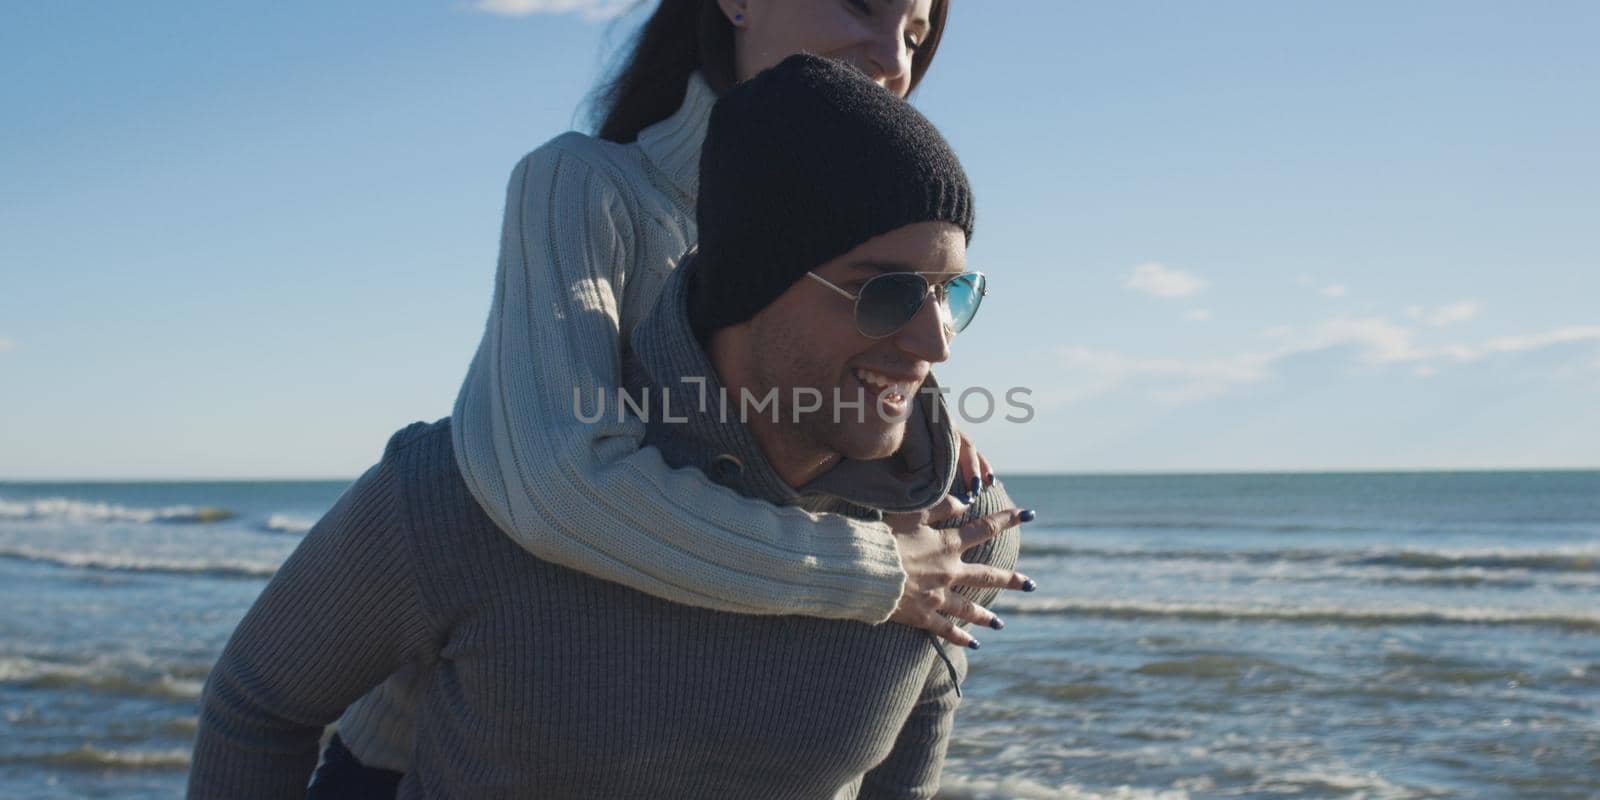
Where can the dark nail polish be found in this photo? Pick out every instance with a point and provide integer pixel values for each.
(965, 500)
(989, 479)
(1028, 585)
(1027, 515)
(998, 624)
(977, 484)
(974, 645)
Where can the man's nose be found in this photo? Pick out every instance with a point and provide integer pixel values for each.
(926, 337)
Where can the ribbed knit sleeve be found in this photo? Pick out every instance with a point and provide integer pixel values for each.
(584, 495)
(340, 615)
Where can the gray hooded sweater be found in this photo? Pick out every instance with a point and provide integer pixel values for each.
(534, 680)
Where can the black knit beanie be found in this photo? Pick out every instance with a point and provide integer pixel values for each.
(801, 164)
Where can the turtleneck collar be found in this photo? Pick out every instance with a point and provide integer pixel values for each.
(666, 356)
(673, 144)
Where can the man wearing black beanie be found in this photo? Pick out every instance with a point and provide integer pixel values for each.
(801, 163)
(537, 680)
(810, 167)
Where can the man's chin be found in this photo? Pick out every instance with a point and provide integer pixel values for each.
(866, 443)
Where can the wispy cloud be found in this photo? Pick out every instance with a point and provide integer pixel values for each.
(1379, 340)
(1536, 341)
(1169, 380)
(1198, 315)
(1386, 343)
(1333, 290)
(1446, 315)
(6, 344)
(591, 9)
(1163, 281)
(1375, 341)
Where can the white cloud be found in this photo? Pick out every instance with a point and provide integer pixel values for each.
(1387, 343)
(1163, 281)
(1453, 313)
(1375, 340)
(1383, 341)
(1333, 290)
(1198, 314)
(1535, 341)
(1171, 380)
(590, 9)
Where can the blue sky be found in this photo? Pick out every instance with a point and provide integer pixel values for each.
(250, 240)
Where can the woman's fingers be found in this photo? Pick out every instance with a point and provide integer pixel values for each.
(920, 609)
(963, 608)
(948, 507)
(969, 468)
(981, 576)
(932, 561)
(951, 506)
(948, 630)
(989, 526)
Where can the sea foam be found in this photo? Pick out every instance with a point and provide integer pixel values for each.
(216, 568)
(83, 511)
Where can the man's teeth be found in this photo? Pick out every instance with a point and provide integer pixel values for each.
(895, 392)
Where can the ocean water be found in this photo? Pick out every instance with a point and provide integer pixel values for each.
(1299, 636)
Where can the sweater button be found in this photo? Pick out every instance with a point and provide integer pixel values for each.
(726, 467)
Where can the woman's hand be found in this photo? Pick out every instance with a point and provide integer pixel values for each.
(973, 471)
(931, 558)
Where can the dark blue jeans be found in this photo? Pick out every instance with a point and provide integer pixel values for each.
(342, 776)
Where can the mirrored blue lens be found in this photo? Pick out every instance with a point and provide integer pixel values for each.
(891, 300)
(962, 297)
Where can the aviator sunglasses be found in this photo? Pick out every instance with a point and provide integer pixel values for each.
(888, 301)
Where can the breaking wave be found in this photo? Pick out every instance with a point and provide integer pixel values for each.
(228, 568)
(1586, 560)
(1315, 616)
(82, 511)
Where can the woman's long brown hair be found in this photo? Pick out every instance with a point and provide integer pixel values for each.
(687, 35)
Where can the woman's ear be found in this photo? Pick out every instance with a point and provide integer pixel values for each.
(737, 11)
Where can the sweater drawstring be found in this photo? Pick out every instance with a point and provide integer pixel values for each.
(948, 664)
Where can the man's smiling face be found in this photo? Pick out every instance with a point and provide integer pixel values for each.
(807, 339)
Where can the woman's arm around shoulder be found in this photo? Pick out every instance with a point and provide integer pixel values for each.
(583, 494)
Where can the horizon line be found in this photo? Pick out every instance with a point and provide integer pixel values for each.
(1154, 473)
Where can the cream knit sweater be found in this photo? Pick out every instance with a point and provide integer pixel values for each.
(591, 230)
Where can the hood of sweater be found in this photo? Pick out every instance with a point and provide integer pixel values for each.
(672, 145)
(673, 377)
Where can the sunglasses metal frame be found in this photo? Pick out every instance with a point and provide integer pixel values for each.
(938, 289)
